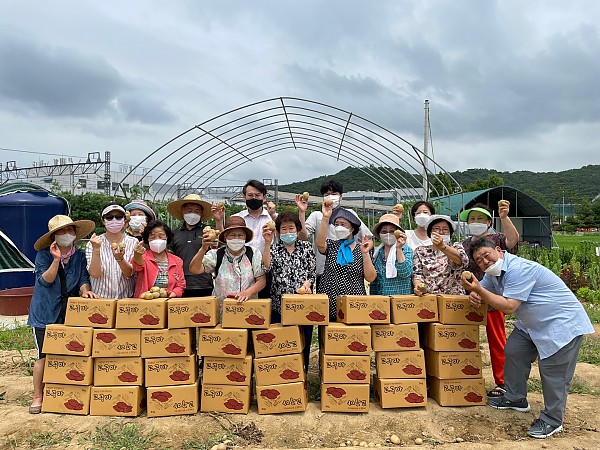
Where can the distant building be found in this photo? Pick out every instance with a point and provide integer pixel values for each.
(387, 197)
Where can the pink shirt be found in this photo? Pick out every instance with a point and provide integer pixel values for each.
(147, 273)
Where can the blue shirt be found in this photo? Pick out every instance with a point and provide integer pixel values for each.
(549, 312)
(46, 302)
(402, 283)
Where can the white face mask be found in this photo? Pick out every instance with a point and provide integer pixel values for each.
(136, 222)
(477, 229)
(64, 240)
(158, 245)
(422, 219)
(495, 269)
(335, 198)
(447, 238)
(191, 218)
(387, 238)
(342, 232)
(235, 245)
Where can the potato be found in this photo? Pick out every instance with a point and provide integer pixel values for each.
(305, 196)
(467, 275)
(154, 289)
(206, 229)
(156, 294)
(503, 203)
(220, 205)
(122, 245)
(144, 295)
(328, 202)
(164, 294)
(127, 215)
(399, 234)
(421, 287)
(149, 296)
(271, 225)
(212, 235)
(114, 245)
(399, 207)
(301, 290)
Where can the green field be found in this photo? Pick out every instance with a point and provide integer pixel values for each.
(571, 241)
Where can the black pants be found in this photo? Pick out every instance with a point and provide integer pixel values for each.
(197, 293)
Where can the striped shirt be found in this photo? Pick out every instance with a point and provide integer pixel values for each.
(112, 283)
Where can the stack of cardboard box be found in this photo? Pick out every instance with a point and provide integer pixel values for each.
(227, 363)
(452, 354)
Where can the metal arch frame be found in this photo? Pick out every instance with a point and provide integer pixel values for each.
(298, 125)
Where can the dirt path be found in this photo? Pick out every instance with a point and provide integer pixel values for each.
(438, 427)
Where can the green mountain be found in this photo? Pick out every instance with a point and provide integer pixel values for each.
(547, 187)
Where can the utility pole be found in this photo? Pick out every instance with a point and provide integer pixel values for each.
(425, 150)
(107, 173)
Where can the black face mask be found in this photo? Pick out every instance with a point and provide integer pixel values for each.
(253, 204)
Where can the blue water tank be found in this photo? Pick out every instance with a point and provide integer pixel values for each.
(25, 210)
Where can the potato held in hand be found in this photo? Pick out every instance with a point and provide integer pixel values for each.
(398, 208)
(399, 234)
(301, 290)
(467, 275)
(271, 225)
(421, 287)
(328, 202)
(503, 203)
(305, 196)
(220, 205)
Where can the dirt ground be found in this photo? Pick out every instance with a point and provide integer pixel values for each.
(438, 427)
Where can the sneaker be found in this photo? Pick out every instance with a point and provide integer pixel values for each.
(541, 430)
(503, 403)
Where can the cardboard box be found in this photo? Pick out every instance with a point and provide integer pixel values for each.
(395, 337)
(227, 371)
(406, 393)
(448, 365)
(168, 342)
(139, 313)
(412, 308)
(279, 369)
(457, 392)
(345, 397)
(282, 398)
(171, 371)
(451, 338)
(110, 343)
(66, 399)
(345, 369)
(400, 364)
(359, 309)
(342, 339)
(172, 400)
(91, 312)
(127, 371)
(277, 340)
(304, 309)
(192, 312)
(457, 310)
(62, 369)
(223, 342)
(225, 398)
(253, 313)
(124, 401)
(65, 340)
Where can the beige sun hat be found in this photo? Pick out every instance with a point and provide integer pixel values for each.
(392, 219)
(58, 222)
(174, 207)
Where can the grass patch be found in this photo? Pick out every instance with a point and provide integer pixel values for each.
(572, 241)
(590, 350)
(19, 338)
(578, 386)
(593, 312)
(116, 436)
(48, 439)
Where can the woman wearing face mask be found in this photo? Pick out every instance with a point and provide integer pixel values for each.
(292, 265)
(158, 267)
(421, 212)
(236, 268)
(479, 220)
(348, 263)
(59, 268)
(109, 255)
(439, 265)
(392, 259)
(139, 216)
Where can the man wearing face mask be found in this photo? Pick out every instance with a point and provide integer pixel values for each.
(479, 220)
(187, 240)
(330, 190)
(439, 266)
(549, 327)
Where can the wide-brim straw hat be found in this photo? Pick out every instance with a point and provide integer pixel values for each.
(232, 223)
(82, 229)
(391, 219)
(174, 207)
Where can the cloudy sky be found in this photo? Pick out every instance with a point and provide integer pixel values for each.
(513, 84)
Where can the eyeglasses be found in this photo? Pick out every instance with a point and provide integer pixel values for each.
(441, 230)
(117, 216)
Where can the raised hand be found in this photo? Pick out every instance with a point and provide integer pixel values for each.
(95, 241)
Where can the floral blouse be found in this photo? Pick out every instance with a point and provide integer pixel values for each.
(434, 268)
(290, 270)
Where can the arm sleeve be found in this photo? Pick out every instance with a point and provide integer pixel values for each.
(417, 266)
(405, 269)
(519, 285)
(257, 267)
(210, 261)
(311, 264)
(42, 263)
(84, 276)
(464, 259)
(88, 255)
(311, 223)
